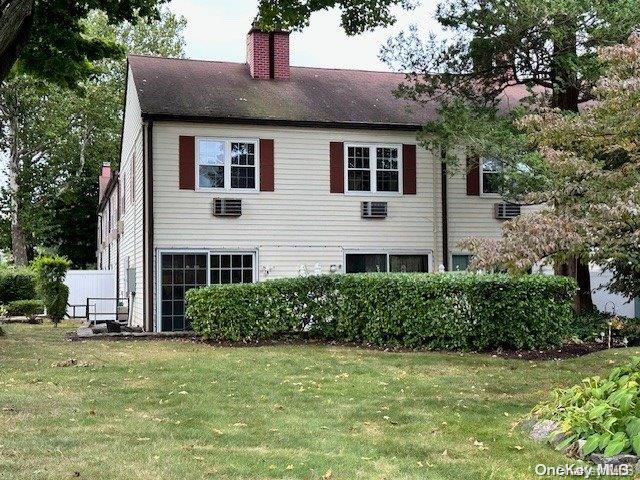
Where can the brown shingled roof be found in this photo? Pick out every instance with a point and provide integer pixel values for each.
(196, 89)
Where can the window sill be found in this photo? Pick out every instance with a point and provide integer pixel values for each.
(227, 190)
(373, 194)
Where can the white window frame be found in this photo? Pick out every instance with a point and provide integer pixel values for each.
(157, 318)
(388, 252)
(373, 170)
(227, 164)
(482, 192)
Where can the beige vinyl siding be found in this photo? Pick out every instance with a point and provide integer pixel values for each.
(131, 240)
(469, 216)
(301, 222)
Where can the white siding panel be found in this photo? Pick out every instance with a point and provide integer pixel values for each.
(300, 222)
(131, 239)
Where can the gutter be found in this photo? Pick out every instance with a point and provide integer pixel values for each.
(280, 122)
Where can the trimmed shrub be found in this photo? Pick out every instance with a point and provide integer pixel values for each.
(436, 311)
(25, 308)
(17, 284)
(50, 273)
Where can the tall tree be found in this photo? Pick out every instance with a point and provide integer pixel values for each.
(593, 163)
(356, 16)
(54, 196)
(48, 38)
(548, 46)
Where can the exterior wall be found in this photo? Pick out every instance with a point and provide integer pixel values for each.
(131, 185)
(468, 216)
(301, 222)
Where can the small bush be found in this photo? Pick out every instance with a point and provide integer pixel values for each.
(589, 326)
(17, 284)
(50, 273)
(25, 308)
(602, 411)
(436, 311)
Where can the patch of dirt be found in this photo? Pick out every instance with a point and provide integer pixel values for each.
(570, 350)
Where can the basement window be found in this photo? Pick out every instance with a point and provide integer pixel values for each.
(386, 262)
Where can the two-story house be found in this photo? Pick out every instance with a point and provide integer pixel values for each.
(243, 172)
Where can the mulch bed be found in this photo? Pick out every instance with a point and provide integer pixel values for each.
(571, 350)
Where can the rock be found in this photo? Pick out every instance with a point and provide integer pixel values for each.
(99, 328)
(579, 448)
(527, 425)
(542, 430)
(617, 460)
(84, 332)
(126, 328)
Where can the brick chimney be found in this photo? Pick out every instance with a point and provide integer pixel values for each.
(268, 54)
(103, 181)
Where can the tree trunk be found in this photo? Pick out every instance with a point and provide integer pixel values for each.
(16, 18)
(18, 237)
(565, 96)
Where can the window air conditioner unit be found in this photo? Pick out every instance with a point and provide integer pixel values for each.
(374, 209)
(506, 210)
(227, 207)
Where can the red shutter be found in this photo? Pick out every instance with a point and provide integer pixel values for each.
(473, 176)
(409, 169)
(266, 165)
(187, 167)
(336, 167)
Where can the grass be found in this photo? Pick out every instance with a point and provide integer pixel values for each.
(174, 409)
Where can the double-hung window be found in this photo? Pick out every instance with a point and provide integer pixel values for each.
(227, 164)
(373, 168)
(492, 175)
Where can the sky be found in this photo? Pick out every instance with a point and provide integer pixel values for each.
(216, 30)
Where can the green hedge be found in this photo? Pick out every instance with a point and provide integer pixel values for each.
(25, 308)
(17, 284)
(50, 273)
(436, 311)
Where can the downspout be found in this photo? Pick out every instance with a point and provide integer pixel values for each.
(445, 210)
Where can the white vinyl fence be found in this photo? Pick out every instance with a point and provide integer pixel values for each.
(96, 286)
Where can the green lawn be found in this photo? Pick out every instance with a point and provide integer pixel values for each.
(174, 409)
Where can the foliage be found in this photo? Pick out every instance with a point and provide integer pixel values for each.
(25, 308)
(548, 45)
(59, 47)
(499, 54)
(453, 312)
(63, 137)
(356, 17)
(16, 284)
(592, 160)
(602, 411)
(589, 326)
(50, 274)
